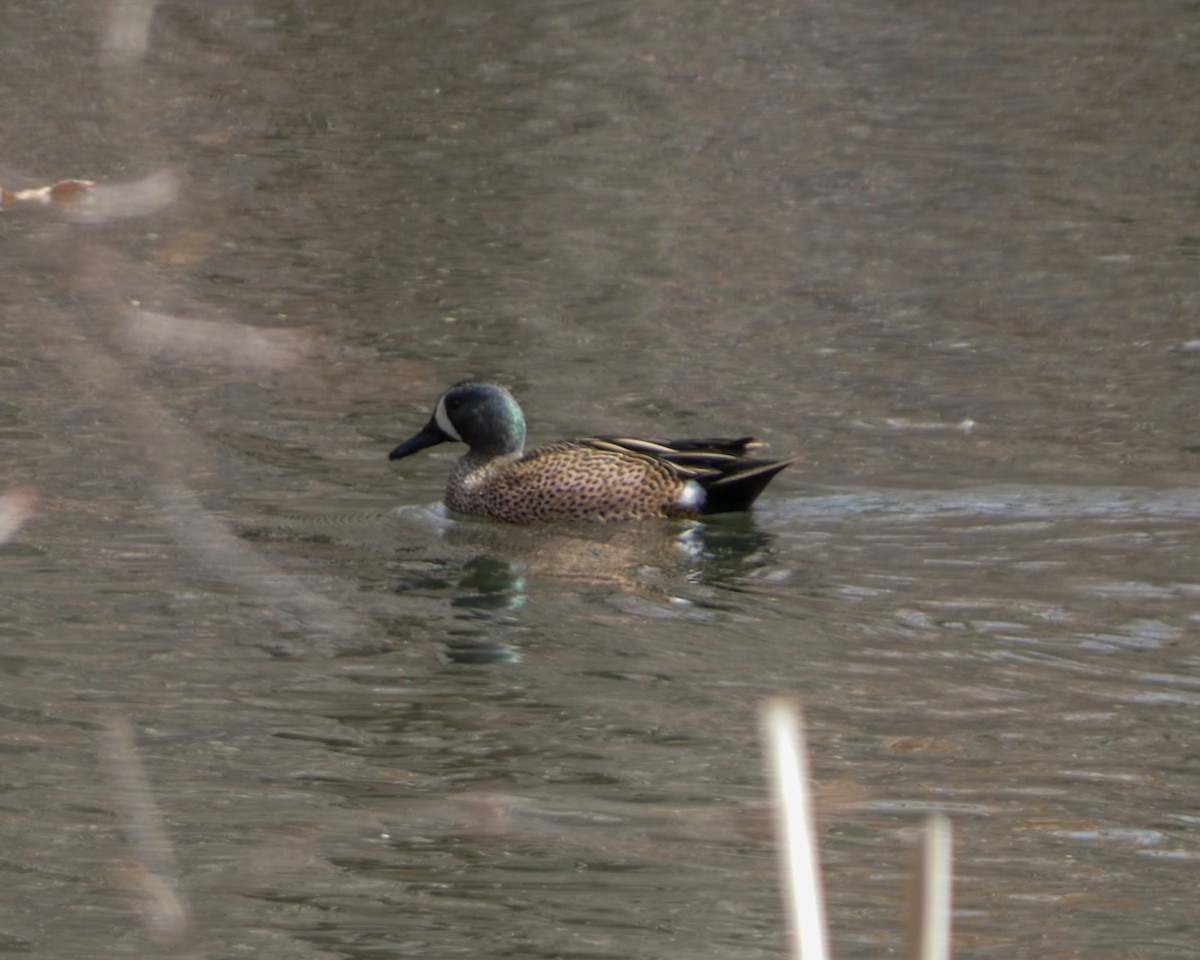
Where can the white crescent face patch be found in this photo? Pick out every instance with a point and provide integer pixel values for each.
(442, 419)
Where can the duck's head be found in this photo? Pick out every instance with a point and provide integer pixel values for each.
(484, 416)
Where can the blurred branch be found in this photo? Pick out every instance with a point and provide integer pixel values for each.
(153, 872)
(16, 506)
(126, 32)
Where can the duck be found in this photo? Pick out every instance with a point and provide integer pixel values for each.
(601, 478)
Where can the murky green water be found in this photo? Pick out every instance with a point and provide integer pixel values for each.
(947, 255)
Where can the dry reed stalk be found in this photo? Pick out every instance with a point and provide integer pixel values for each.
(929, 924)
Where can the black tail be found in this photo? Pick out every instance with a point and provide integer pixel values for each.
(738, 489)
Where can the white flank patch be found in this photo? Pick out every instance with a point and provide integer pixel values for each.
(442, 419)
(691, 496)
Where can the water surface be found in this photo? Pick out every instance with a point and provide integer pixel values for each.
(946, 254)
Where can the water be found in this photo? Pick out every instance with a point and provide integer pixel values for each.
(945, 255)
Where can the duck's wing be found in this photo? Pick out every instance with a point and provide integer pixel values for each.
(689, 458)
(694, 457)
(734, 447)
(723, 446)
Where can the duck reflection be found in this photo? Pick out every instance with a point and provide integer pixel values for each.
(665, 568)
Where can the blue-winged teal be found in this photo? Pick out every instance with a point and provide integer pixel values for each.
(591, 478)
